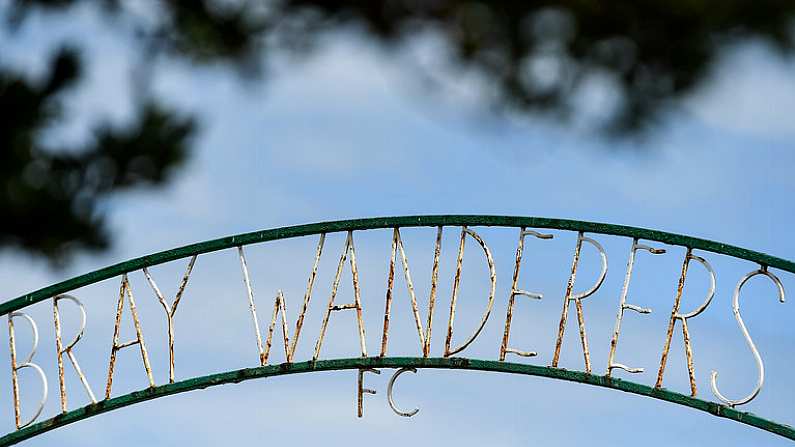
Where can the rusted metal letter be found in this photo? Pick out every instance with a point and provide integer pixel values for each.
(28, 363)
(448, 350)
(357, 303)
(60, 349)
(361, 390)
(676, 315)
(622, 306)
(126, 290)
(504, 349)
(577, 298)
(171, 310)
(425, 337)
(758, 357)
(279, 306)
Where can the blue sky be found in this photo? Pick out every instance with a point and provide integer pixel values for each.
(351, 132)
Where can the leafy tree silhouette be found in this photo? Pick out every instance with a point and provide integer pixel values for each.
(535, 53)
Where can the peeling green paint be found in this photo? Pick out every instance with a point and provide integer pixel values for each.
(452, 363)
(397, 362)
(391, 222)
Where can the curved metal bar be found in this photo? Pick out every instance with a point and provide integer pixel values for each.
(44, 391)
(60, 349)
(28, 363)
(450, 351)
(391, 399)
(602, 272)
(34, 329)
(759, 365)
(390, 222)
(80, 306)
(456, 363)
(710, 292)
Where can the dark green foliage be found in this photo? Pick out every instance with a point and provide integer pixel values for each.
(656, 51)
(536, 54)
(49, 196)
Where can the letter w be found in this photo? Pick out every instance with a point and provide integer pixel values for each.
(279, 307)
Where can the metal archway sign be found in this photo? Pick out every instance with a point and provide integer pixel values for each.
(587, 233)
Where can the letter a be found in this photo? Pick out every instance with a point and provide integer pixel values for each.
(356, 305)
(139, 336)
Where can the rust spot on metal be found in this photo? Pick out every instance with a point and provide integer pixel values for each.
(622, 306)
(279, 308)
(676, 315)
(454, 298)
(389, 286)
(299, 324)
(583, 336)
(425, 337)
(565, 313)
(448, 350)
(14, 379)
(60, 350)
(577, 298)
(171, 310)
(126, 290)
(671, 322)
(28, 363)
(357, 304)
(361, 390)
(515, 291)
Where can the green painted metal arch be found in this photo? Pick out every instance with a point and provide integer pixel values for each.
(393, 362)
(391, 222)
(439, 363)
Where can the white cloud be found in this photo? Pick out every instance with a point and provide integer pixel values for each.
(266, 158)
(753, 91)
